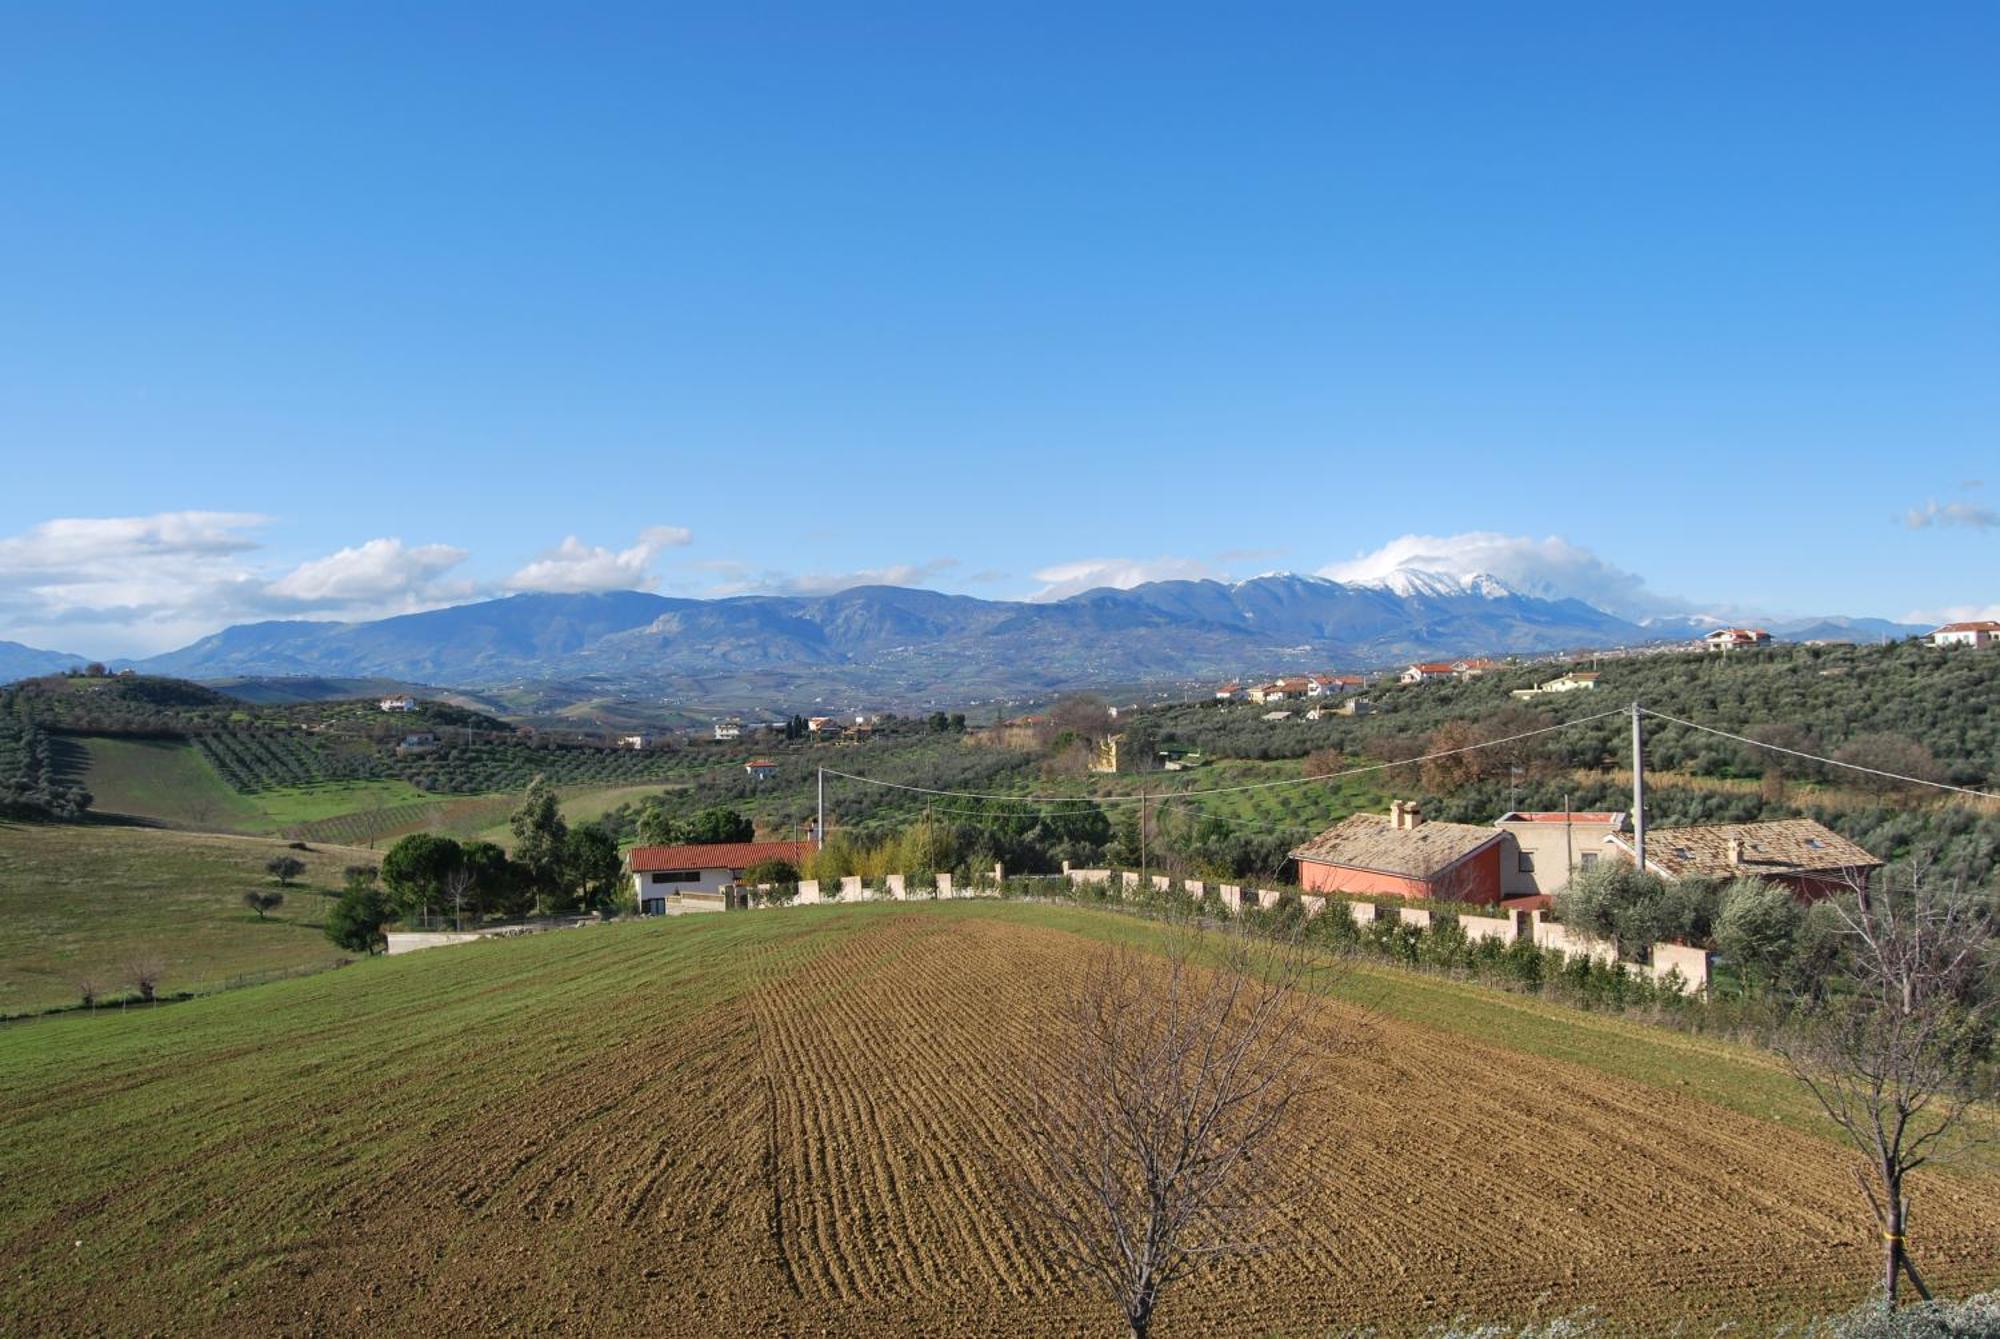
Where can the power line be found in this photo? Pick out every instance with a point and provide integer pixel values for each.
(1232, 790)
(1830, 762)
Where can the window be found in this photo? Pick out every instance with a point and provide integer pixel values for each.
(677, 876)
(1527, 865)
(1588, 860)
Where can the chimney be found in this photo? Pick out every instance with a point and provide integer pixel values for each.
(1412, 817)
(1735, 851)
(1396, 815)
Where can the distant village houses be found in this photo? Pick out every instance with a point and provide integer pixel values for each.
(1428, 672)
(729, 729)
(403, 703)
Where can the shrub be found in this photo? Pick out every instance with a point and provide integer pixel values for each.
(262, 902)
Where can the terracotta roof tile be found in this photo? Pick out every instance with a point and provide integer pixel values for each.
(1369, 841)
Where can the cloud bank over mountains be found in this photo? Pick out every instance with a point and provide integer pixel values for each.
(143, 584)
(1552, 568)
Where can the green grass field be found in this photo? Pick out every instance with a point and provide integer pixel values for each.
(169, 782)
(85, 901)
(161, 781)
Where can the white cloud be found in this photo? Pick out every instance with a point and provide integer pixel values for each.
(735, 578)
(1968, 514)
(377, 572)
(132, 585)
(574, 568)
(1552, 568)
(1956, 613)
(127, 583)
(1072, 578)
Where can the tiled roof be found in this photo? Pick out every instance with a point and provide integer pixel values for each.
(1598, 818)
(1789, 846)
(1978, 625)
(715, 855)
(1371, 842)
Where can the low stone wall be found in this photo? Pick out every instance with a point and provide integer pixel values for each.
(1691, 963)
(1416, 916)
(1487, 927)
(411, 941)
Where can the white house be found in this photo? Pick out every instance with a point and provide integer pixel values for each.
(1980, 634)
(1427, 673)
(1229, 692)
(635, 742)
(729, 729)
(761, 769)
(1574, 681)
(661, 873)
(404, 703)
(1736, 639)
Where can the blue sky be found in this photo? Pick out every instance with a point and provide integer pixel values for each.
(332, 310)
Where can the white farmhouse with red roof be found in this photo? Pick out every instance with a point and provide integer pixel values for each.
(1980, 633)
(660, 873)
(1736, 639)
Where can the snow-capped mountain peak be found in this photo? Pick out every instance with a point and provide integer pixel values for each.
(1413, 581)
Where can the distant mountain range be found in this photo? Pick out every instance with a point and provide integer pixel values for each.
(25, 662)
(890, 645)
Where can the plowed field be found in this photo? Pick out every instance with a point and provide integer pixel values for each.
(782, 1122)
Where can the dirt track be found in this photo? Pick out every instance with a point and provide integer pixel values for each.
(811, 1157)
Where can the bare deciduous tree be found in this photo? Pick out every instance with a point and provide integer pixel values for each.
(459, 882)
(143, 975)
(1153, 1127)
(1896, 1063)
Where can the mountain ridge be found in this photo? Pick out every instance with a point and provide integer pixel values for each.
(895, 643)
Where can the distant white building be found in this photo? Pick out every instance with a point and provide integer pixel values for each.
(730, 729)
(1979, 634)
(1575, 681)
(404, 703)
(635, 742)
(1736, 639)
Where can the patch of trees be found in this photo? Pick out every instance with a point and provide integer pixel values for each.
(554, 868)
(975, 836)
(31, 784)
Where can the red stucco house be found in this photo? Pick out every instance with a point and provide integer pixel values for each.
(1400, 855)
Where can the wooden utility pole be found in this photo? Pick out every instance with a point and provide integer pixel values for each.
(1144, 882)
(1638, 790)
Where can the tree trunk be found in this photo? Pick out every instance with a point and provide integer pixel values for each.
(1892, 1255)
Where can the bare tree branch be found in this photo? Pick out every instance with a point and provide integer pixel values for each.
(1898, 1059)
(1153, 1127)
